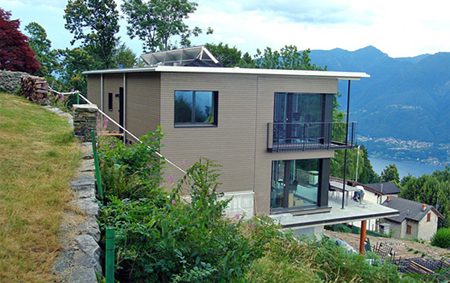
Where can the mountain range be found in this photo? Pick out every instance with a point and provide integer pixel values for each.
(405, 99)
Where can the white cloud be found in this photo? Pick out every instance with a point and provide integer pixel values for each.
(399, 28)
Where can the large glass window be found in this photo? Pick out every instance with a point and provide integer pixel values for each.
(195, 107)
(295, 183)
(298, 117)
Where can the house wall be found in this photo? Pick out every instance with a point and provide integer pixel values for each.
(266, 88)
(369, 196)
(231, 144)
(143, 102)
(238, 143)
(398, 230)
(111, 84)
(426, 230)
(94, 89)
(414, 229)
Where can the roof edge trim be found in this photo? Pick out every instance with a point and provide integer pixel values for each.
(221, 70)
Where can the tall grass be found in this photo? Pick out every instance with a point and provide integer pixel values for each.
(38, 158)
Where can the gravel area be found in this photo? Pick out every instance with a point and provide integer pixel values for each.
(402, 248)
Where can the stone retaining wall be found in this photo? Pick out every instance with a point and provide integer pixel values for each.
(84, 120)
(79, 259)
(10, 81)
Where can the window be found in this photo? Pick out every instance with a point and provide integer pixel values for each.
(295, 183)
(195, 108)
(429, 217)
(110, 101)
(408, 229)
(298, 117)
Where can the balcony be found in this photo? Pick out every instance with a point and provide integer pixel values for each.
(305, 136)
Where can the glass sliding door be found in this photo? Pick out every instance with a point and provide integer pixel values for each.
(295, 184)
(298, 117)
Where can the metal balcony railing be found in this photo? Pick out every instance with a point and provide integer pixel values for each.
(282, 137)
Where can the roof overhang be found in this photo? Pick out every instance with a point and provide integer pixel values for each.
(244, 71)
(353, 212)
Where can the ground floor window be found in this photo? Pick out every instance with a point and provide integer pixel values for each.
(408, 229)
(295, 183)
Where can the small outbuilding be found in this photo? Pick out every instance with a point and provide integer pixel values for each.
(416, 220)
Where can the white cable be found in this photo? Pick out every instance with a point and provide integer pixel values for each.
(131, 134)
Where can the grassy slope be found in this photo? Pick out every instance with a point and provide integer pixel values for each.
(38, 158)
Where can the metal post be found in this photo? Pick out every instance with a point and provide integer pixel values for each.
(109, 255)
(357, 163)
(362, 238)
(97, 167)
(346, 141)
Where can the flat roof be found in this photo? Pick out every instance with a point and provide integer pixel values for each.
(352, 212)
(236, 70)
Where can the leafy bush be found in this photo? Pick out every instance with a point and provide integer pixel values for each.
(131, 171)
(162, 239)
(441, 238)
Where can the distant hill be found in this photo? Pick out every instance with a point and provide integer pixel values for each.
(405, 98)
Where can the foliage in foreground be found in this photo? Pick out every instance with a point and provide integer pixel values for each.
(134, 171)
(441, 238)
(164, 238)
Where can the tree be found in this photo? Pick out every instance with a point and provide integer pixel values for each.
(95, 23)
(41, 45)
(390, 174)
(288, 58)
(230, 56)
(367, 175)
(15, 52)
(73, 63)
(155, 22)
(124, 56)
(429, 189)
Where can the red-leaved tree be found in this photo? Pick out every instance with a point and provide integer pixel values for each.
(15, 52)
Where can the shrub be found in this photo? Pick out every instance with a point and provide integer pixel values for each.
(163, 239)
(132, 171)
(441, 238)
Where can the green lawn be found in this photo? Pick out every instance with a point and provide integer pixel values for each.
(38, 158)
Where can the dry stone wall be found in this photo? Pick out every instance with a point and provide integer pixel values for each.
(10, 81)
(84, 120)
(79, 259)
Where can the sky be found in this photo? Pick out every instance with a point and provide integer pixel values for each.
(397, 27)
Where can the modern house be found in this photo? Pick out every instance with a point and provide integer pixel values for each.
(271, 130)
(416, 220)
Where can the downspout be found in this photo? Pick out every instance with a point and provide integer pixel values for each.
(346, 141)
(124, 106)
(101, 94)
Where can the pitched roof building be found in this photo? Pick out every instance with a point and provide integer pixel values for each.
(416, 220)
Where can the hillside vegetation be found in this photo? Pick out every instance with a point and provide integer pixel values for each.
(160, 237)
(38, 158)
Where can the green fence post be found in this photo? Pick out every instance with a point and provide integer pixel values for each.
(109, 264)
(97, 167)
(78, 98)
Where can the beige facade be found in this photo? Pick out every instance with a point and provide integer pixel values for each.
(238, 143)
(423, 229)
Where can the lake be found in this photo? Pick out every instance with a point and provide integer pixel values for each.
(404, 167)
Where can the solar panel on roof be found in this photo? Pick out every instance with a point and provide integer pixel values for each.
(181, 57)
